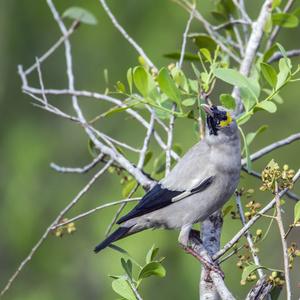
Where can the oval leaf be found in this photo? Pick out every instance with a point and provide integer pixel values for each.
(297, 212)
(269, 74)
(122, 287)
(285, 20)
(236, 78)
(168, 86)
(203, 41)
(76, 12)
(266, 105)
(153, 268)
(227, 101)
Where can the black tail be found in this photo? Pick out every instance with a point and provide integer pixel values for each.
(112, 238)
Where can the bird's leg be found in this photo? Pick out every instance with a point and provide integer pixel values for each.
(207, 265)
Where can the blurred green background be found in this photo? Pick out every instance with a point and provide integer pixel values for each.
(32, 194)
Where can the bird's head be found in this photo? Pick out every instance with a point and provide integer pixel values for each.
(218, 118)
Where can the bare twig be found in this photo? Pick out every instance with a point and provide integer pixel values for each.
(272, 147)
(277, 55)
(169, 143)
(120, 210)
(187, 28)
(54, 47)
(284, 244)
(133, 288)
(126, 35)
(230, 23)
(78, 170)
(238, 38)
(247, 234)
(94, 210)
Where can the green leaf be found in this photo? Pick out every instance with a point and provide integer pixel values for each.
(151, 254)
(285, 20)
(152, 268)
(177, 148)
(227, 101)
(269, 74)
(248, 98)
(128, 188)
(180, 79)
(203, 41)
(297, 212)
(129, 79)
(282, 50)
(76, 12)
(122, 287)
(206, 54)
(168, 86)
(127, 266)
(189, 101)
(162, 114)
(237, 79)
(196, 71)
(177, 54)
(145, 83)
(240, 121)
(125, 253)
(247, 150)
(148, 156)
(296, 12)
(275, 3)
(269, 53)
(226, 210)
(160, 164)
(249, 269)
(121, 87)
(117, 110)
(268, 25)
(266, 105)
(92, 149)
(284, 72)
(250, 136)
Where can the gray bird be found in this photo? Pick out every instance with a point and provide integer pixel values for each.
(201, 183)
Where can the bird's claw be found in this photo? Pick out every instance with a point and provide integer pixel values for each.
(207, 265)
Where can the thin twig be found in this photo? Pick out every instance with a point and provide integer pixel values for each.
(284, 244)
(241, 8)
(187, 28)
(120, 210)
(78, 170)
(127, 36)
(238, 38)
(247, 234)
(230, 23)
(94, 210)
(54, 47)
(133, 288)
(272, 147)
(169, 142)
(277, 55)
(146, 140)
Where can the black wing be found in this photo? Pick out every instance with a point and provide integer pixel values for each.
(156, 198)
(159, 197)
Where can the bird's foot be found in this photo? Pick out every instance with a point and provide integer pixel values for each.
(207, 265)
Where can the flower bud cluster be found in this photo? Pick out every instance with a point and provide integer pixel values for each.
(253, 207)
(293, 252)
(69, 228)
(275, 280)
(272, 173)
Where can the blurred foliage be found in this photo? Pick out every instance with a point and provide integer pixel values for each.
(32, 193)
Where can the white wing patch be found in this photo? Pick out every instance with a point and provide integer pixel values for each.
(195, 187)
